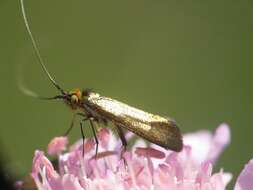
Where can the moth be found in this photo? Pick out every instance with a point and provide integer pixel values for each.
(97, 109)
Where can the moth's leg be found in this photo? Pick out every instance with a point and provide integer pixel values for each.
(83, 137)
(122, 138)
(94, 133)
(81, 127)
(72, 122)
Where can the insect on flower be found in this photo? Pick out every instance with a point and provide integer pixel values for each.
(98, 109)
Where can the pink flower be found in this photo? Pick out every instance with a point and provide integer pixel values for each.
(141, 168)
(57, 145)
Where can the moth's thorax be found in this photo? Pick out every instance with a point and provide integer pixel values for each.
(93, 95)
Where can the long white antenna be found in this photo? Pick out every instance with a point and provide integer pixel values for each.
(20, 83)
(41, 62)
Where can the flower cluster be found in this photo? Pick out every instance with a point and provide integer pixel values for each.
(142, 167)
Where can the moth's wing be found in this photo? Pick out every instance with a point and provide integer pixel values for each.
(153, 128)
(167, 135)
(164, 134)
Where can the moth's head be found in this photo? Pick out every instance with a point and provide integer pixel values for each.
(73, 98)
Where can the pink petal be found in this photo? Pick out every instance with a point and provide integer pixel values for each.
(40, 161)
(245, 179)
(176, 166)
(104, 137)
(149, 152)
(220, 180)
(89, 145)
(104, 154)
(217, 181)
(70, 182)
(57, 145)
(200, 142)
(204, 173)
(207, 146)
(43, 172)
(220, 141)
(150, 166)
(127, 155)
(163, 178)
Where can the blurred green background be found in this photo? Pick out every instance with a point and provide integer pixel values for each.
(191, 60)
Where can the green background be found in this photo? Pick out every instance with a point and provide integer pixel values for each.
(191, 60)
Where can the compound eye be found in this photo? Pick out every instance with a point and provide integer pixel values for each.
(74, 99)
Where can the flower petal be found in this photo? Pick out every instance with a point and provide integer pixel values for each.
(104, 137)
(40, 161)
(220, 141)
(245, 179)
(149, 152)
(57, 145)
(44, 174)
(70, 182)
(203, 138)
(207, 146)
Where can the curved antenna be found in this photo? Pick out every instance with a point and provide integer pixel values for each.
(41, 62)
(33, 94)
(28, 92)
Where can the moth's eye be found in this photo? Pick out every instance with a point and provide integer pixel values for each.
(74, 99)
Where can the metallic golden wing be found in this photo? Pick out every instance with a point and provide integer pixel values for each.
(154, 128)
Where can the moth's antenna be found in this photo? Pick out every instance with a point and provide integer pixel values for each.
(41, 62)
(29, 92)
